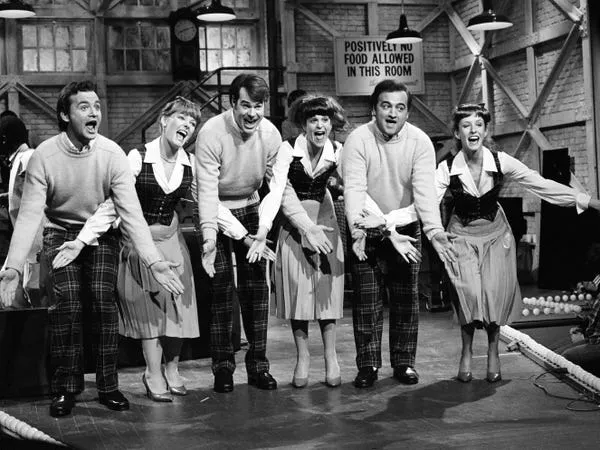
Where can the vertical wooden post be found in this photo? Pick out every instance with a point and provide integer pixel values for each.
(99, 52)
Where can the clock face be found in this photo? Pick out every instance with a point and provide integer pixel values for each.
(185, 30)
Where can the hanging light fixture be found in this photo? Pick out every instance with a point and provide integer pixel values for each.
(215, 12)
(16, 9)
(488, 20)
(403, 35)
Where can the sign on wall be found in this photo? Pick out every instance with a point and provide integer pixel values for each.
(363, 61)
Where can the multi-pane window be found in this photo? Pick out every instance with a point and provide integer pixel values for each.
(139, 47)
(55, 47)
(226, 45)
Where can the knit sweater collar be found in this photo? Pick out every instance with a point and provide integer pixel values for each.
(394, 139)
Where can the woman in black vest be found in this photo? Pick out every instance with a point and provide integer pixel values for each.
(309, 270)
(164, 174)
(485, 271)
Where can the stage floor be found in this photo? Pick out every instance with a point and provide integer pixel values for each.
(439, 412)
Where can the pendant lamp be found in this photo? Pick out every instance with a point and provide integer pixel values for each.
(403, 35)
(16, 9)
(488, 20)
(216, 12)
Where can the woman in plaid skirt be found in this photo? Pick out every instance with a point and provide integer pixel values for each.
(309, 270)
(164, 173)
(484, 272)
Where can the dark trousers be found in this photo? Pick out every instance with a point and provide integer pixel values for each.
(253, 296)
(91, 278)
(385, 271)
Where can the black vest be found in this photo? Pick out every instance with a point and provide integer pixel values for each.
(156, 205)
(468, 207)
(307, 188)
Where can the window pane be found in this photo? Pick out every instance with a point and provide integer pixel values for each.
(62, 37)
(202, 37)
(29, 34)
(203, 60)
(115, 37)
(47, 60)
(228, 37)
(244, 38)
(63, 61)
(148, 60)
(132, 37)
(214, 59)
(163, 61)
(213, 37)
(30, 60)
(229, 58)
(118, 59)
(46, 38)
(79, 60)
(163, 39)
(79, 38)
(148, 37)
(243, 58)
(132, 60)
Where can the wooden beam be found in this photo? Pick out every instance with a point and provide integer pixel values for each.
(429, 18)
(150, 114)
(99, 55)
(469, 80)
(569, 10)
(462, 29)
(563, 56)
(85, 5)
(372, 19)
(288, 38)
(317, 20)
(35, 99)
(509, 93)
(429, 114)
(539, 138)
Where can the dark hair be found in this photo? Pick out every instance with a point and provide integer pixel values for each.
(8, 113)
(312, 105)
(63, 105)
(181, 105)
(13, 133)
(256, 86)
(466, 110)
(295, 95)
(389, 86)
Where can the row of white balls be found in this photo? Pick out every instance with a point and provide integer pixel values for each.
(559, 361)
(558, 298)
(553, 309)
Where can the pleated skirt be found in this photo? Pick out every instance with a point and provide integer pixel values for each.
(485, 272)
(309, 286)
(146, 309)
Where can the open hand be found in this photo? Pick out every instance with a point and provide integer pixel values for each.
(442, 242)
(404, 245)
(369, 220)
(316, 238)
(163, 273)
(258, 245)
(358, 246)
(9, 282)
(67, 253)
(267, 254)
(209, 254)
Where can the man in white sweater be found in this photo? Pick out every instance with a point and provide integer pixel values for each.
(68, 177)
(394, 163)
(235, 151)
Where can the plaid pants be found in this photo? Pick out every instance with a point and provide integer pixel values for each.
(385, 268)
(253, 296)
(91, 277)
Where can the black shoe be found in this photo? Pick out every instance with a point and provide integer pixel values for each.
(262, 380)
(223, 381)
(114, 400)
(366, 377)
(62, 404)
(406, 375)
